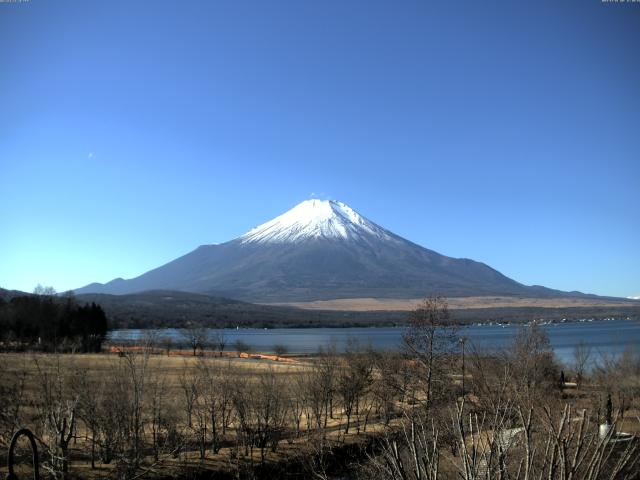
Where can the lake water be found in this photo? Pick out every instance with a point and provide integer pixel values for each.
(604, 337)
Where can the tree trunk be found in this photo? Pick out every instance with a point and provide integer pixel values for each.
(93, 449)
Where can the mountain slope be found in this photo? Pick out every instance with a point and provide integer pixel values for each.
(321, 250)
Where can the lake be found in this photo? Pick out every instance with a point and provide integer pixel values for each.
(605, 337)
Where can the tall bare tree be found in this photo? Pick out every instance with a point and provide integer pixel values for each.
(428, 339)
(196, 336)
(215, 391)
(13, 403)
(354, 380)
(581, 357)
(219, 340)
(269, 408)
(57, 405)
(531, 358)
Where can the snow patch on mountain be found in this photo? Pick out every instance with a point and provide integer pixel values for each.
(314, 219)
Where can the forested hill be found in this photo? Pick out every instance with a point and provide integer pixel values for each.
(163, 308)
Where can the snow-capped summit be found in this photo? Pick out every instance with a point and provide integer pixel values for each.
(314, 219)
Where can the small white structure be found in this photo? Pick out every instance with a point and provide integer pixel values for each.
(616, 437)
(605, 428)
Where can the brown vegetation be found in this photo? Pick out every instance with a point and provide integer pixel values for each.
(421, 413)
(457, 303)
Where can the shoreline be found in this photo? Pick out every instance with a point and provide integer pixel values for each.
(540, 322)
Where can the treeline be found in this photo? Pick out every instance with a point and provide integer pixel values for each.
(49, 323)
(170, 309)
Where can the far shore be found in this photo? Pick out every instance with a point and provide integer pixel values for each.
(456, 303)
(479, 323)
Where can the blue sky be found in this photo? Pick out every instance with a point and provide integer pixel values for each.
(507, 132)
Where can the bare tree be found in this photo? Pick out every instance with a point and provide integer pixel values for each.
(227, 378)
(354, 380)
(388, 384)
(429, 338)
(156, 404)
(619, 375)
(216, 398)
(151, 340)
(629, 386)
(321, 387)
(241, 400)
(399, 373)
(44, 291)
(296, 395)
(135, 416)
(241, 347)
(133, 370)
(319, 460)
(196, 336)
(189, 388)
(112, 412)
(89, 394)
(531, 359)
(269, 412)
(13, 403)
(412, 454)
(219, 340)
(561, 446)
(581, 357)
(280, 350)
(201, 413)
(57, 407)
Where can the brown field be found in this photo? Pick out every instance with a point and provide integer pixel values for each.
(173, 369)
(455, 303)
(393, 391)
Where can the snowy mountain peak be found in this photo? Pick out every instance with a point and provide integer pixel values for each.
(314, 219)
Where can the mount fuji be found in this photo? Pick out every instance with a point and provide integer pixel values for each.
(321, 250)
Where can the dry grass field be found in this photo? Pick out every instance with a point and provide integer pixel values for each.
(456, 303)
(180, 375)
(146, 412)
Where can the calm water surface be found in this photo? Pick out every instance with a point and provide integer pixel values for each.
(604, 337)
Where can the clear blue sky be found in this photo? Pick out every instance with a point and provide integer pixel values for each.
(507, 132)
